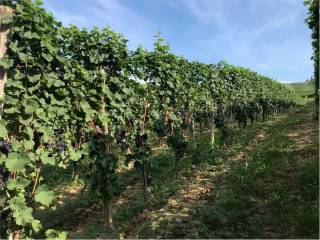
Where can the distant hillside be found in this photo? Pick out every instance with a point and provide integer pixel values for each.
(304, 89)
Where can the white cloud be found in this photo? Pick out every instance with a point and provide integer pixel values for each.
(64, 15)
(260, 34)
(268, 45)
(207, 11)
(122, 19)
(137, 29)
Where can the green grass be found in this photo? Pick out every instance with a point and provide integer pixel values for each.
(302, 88)
(274, 194)
(271, 193)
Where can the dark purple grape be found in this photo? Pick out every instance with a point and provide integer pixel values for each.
(82, 135)
(5, 146)
(61, 146)
(48, 145)
(4, 175)
(28, 196)
(121, 133)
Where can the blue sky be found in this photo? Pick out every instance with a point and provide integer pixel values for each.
(268, 36)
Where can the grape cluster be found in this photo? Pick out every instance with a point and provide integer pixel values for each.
(5, 146)
(121, 133)
(4, 175)
(48, 145)
(61, 146)
(160, 129)
(82, 135)
(28, 196)
(141, 139)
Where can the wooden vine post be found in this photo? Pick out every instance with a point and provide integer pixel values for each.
(144, 163)
(107, 204)
(193, 133)
(212, 125)
(4, 35)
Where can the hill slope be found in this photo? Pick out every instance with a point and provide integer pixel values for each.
(302, 88)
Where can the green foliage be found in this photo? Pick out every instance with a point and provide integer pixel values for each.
(22, 213)
(32, 115)
(16, 162)
(44, 196)
(177, 142)
(72, 97)
(234, 212)
(102, 170)
(313, 22)
(305, 90)
(308, 180)
(52, 234)
(204, 154)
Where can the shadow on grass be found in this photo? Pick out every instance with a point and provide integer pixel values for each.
(273, 194)
(270, 194)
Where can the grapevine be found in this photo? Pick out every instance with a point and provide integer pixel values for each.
(76, 97)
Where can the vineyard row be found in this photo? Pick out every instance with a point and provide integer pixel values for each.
(77, 96)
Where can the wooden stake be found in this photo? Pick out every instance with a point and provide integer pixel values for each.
(212, 125)
(4, 35)
(36, 181)
(193, 134)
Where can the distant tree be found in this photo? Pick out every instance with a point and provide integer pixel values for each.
(313, 22)
(311, 81)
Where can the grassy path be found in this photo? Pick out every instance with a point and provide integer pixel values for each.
(251, 193)
(264, 185)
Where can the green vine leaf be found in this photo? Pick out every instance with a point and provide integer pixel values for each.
(54, 234)
(47, 57)
(18, 184)
(46, 159)
(47, 133)
(30, 106)
(6, 63)
(44, 196)
(75, 155)
(22, 213)
(3, 130)
(16, 162)
(28, 144)
(31, 35)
